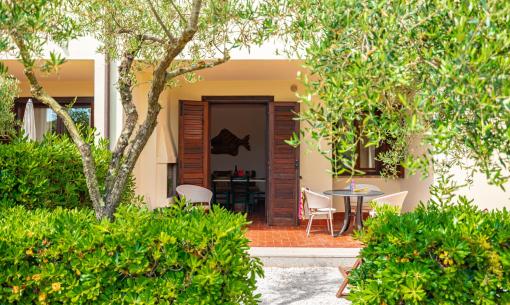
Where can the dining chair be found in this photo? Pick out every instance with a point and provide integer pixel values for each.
(195, 194)
(221, 190)
(395, 200)
(240, 190)
(317, 204)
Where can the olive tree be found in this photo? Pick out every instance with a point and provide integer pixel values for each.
(172, 38)
(392, 71)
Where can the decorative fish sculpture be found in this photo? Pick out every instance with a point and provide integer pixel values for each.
(228, 143)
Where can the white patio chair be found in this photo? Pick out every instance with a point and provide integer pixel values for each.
(318, 204)
(195, 194)
(396, 200)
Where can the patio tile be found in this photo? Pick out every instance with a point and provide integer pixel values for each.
(262, 235)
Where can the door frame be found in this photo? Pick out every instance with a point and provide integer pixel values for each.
(268, 101)
(265, 100)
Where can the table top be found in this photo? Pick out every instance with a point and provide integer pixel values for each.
(348, 193)
(239, 180)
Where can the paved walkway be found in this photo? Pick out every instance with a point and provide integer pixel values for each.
(300, 286)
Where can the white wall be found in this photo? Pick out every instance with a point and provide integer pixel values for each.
(241, 120)
(485, 196)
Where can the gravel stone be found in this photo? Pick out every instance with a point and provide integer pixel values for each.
(300, 286)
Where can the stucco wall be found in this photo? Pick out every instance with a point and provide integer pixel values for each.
(62, 88)
(486, 196)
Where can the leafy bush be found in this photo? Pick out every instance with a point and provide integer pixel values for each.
(437, 254)
(48, 174)
(8, 91)
(169, 256)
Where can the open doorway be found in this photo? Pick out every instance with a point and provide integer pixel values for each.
(277, 187)
(239, 156)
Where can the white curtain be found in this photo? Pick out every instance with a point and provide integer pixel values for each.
(29, 121)
(42, 121)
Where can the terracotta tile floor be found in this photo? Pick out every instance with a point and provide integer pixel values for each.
(262, 235)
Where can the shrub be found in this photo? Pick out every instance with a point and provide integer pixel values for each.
(437, 254)
(48, 173)
(169, 256)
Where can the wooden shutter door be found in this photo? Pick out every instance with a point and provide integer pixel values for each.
(283, 182)
(194, 143)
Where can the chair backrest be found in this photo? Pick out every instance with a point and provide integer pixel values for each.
(194, 193)
(396, 199)
(316, 201)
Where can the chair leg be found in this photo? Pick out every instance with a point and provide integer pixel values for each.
(345, 275)
(331, 223)
(309, 225)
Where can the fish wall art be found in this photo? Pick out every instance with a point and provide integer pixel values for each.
(228, 143)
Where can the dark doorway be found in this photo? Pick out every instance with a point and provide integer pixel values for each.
(239, 153)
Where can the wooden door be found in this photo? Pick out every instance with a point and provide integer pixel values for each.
(283, 178)
(194, 143)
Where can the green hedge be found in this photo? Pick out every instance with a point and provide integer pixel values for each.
(438, 254)
(164, 257)
(48, 173)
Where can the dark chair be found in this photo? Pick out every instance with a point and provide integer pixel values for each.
(256, 195)
(240, 190)
(221, 190)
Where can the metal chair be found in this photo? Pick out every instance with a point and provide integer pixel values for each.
(396, 200)
(318, 204)
(195, 194)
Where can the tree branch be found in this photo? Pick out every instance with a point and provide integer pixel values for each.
(176, 8)
(195, 13)
(195, 67)
(160, 21)
(143, 37)
(125, 90)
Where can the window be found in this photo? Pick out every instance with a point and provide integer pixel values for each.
(367, 163)
(46, 120)
(367, 160)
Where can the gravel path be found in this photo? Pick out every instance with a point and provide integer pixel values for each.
(300, 286)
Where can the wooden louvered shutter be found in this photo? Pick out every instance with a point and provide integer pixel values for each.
(283, 182)
(194, 143)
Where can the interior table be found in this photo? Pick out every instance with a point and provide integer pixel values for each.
(236, 179)
(347, 194)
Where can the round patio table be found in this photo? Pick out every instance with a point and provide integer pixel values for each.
(347, 194)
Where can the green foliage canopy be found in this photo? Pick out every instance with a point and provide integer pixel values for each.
(389, 71)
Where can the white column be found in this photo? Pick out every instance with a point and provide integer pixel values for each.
(116, 112)
(99, 94)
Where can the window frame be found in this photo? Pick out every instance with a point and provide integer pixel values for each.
(81, 102)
